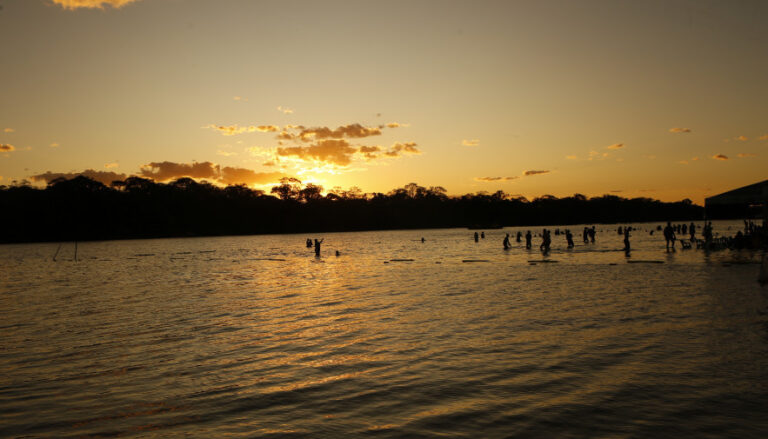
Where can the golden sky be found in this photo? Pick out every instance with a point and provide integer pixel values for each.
(660, 99)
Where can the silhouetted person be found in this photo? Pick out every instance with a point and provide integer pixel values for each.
(422, 240)
(507, 245)
(528, 239)
(685, 229)
(592, 233)
(519, 236)
(477, 237)
(586, 235)
(338, 253)
(626, 240)
(309, 243)
(546, 240)
(482, 235)
(569, 238)
(620, 231)
(669, 236)
(692, 231)
(317, 246)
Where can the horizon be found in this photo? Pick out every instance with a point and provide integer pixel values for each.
(655, 100)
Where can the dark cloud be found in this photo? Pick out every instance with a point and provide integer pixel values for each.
(529, 173)
(720, 157)
(615, 146)
(4, 147)
(679, 130)
(105, 177)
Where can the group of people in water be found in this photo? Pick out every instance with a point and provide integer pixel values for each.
(670, 232)
(546, 238)
(316, 245)
(588, 235)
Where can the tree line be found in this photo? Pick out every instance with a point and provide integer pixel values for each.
(84, 209)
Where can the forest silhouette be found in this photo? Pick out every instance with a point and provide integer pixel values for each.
(83, 209)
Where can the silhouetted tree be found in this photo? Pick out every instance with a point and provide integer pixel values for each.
(136, 207)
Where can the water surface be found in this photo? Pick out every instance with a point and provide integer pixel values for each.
(255, 337)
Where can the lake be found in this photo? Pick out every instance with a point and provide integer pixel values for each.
(252, 336)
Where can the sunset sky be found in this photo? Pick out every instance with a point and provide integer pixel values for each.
(660, 99)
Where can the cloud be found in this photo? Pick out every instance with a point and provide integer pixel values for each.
(571, 157)
(164, 171)
(352, 131)
(472, 142)
(231, 130)
(615, 146)
(679, 130)
(369, 152)
(91, 4)
(111, 165)
(105, 177)
(491, 179)
(399, 149)
(230, 176)
(9, 130)
(763, 137)
(742, 155)
(742, 138)
(225, 153)
(332, 151)
(393, 125)
(720, 157)
(284, 110)
(240, 98)
(4, 147)
(529, 173)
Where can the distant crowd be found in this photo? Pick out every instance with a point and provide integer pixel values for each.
(753, 236)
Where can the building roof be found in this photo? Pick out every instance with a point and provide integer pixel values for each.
(748, 195)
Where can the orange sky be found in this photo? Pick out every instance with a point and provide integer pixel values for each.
(655, 99)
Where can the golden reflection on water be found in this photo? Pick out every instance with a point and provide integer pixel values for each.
(242, 345)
